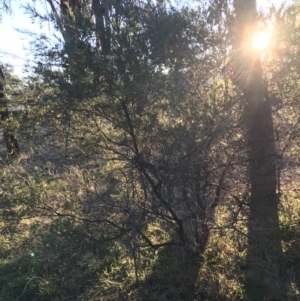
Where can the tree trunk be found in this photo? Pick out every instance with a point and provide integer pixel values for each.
(101, 12)
(9, 137)
(249, 78)
(263, 227)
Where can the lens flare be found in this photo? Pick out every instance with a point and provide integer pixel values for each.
(261, 40)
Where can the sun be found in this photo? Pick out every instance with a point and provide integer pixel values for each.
(261, 40)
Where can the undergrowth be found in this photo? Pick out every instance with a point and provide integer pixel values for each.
(45, 256)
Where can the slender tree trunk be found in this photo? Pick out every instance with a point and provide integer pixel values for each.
(66, 21)
(263, 227)
(102, 20)
(9, 137)
(249, 78)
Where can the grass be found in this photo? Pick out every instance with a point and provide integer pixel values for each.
(47, 261)
(50, 257)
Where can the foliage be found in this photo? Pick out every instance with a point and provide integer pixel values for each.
(132, 183)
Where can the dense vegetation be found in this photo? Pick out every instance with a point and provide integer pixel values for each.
(152, 154)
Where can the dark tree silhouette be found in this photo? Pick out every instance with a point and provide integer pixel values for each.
(9, 137)
(263, 226)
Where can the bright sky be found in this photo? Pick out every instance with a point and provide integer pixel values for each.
(15, 47)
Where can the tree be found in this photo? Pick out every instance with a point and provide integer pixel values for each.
(8, 133)
(132, 95)
(263, 218)
(9, 137)
(148, 134)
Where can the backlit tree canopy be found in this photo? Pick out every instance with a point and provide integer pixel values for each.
(158, 155)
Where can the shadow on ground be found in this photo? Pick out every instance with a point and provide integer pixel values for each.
(173, 276)
(53, 264)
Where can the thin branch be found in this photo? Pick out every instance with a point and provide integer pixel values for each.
(58, 19)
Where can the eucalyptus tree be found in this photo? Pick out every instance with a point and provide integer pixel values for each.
(263, 225)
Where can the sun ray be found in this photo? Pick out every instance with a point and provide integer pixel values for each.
(261, 40)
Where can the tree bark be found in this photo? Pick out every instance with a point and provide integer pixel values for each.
(101, 12)
(264, 247)
(249, 78)
(66, 21)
